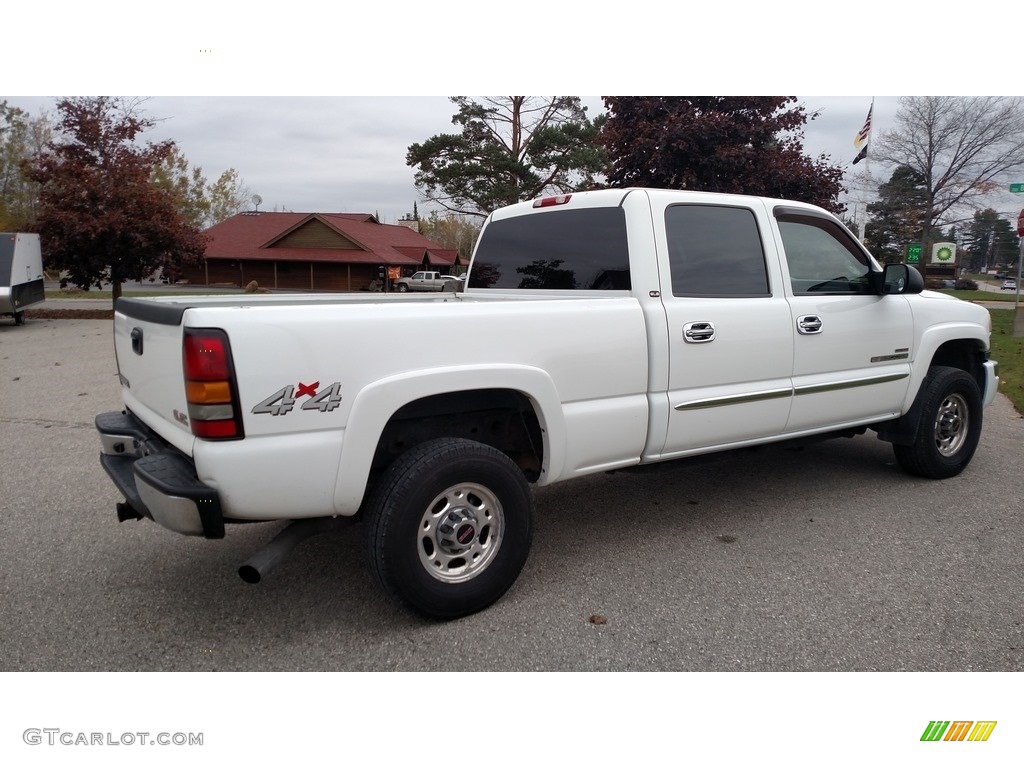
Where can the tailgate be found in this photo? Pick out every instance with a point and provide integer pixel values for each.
(147, 343)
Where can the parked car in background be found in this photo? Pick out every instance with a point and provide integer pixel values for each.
(1009, 285)
(424, 281)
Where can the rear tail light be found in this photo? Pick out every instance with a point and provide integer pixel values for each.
(210, 389)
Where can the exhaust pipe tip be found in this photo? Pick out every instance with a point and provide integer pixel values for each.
(250, 574)
(273, 552)
(127, 512)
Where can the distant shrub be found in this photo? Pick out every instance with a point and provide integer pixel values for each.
(966, 285)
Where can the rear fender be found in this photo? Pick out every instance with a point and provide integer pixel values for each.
(374, 406)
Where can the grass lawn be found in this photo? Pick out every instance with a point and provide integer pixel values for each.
(982, 295)
(1008, 351)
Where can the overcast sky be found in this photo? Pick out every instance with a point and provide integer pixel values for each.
(320, 117)
(347, 154)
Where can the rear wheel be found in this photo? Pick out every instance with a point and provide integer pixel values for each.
(449, 527)
(19, 318)
(949, 428)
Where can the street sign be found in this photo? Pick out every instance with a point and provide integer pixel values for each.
(1018, 188)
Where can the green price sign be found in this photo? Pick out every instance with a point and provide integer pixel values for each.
(914, 253)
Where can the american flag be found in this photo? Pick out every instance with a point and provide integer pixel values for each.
(860, 141)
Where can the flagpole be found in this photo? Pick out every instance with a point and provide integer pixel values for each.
(864, 138)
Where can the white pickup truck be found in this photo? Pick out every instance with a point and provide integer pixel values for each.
(428, 281)
(598, 331)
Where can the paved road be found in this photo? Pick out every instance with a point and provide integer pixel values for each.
(826, 558)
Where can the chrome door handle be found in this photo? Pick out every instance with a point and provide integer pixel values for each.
(698, 333)
(808, 324)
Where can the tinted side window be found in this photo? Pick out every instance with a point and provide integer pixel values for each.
(581, 250)
(822, 258)
(715, 251)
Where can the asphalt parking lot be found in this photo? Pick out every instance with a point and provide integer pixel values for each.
(826, 558)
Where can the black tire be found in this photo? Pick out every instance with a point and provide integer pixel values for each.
(19, 318)
(949, 428)
(402, 287)
(448, 527)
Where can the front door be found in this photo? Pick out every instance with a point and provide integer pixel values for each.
(852, 347)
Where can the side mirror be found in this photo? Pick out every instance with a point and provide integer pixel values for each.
(900, 278)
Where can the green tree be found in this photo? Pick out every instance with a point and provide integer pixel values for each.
(101, 216)
(894, 220)
(21, 138)
(960, 146)
(509, 148)
(186, 186)
(452, 231)
(740, 144)
(226, 196)
(990, 241)
(202, 204)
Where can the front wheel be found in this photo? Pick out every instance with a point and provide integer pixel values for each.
(949, 428)
(19, 318)
(402, 287)
(448, 527)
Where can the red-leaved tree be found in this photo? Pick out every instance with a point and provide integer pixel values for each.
(101, 217)
(741, 144)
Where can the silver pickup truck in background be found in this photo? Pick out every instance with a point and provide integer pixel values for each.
(428, 281)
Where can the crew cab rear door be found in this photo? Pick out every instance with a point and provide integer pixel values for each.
(730, 342)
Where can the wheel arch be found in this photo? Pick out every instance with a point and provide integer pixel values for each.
(397, 413)
(966, 353)
(957, 345)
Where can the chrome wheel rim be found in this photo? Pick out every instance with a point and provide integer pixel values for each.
(460, 533)
(951, 423)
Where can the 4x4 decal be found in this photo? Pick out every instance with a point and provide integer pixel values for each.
(283, 401)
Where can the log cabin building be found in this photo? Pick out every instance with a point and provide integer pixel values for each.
(314, 252)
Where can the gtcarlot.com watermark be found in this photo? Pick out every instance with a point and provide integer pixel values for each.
(56, 737)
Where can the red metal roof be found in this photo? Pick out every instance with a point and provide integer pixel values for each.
(252, 235)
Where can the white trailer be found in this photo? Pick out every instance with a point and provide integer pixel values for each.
(21, 274)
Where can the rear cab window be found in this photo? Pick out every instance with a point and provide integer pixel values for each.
(583, 250)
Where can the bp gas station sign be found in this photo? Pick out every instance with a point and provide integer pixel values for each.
(943, 254)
